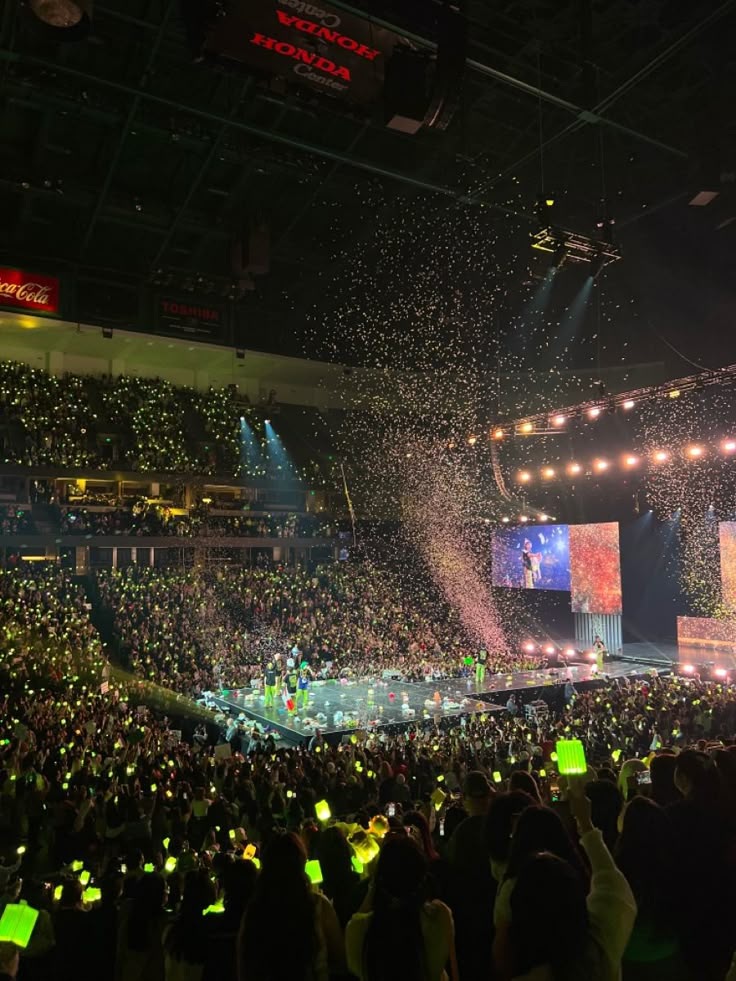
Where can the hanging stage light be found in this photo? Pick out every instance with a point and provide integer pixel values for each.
(63, 20)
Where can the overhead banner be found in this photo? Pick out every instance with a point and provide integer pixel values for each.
(198, 320)
(30, 292)
(311, 44)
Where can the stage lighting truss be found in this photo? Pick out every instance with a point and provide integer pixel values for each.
(629, 462)
(558, 421)
(569, 246)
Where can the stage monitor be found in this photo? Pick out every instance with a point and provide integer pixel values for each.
(595, 568)
(532, 557)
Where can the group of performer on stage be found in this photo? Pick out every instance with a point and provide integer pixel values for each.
(294, 682)
(293, 679)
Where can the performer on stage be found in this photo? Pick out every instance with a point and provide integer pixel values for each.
(481, 659)
(600, 650)
(269, 685)
(291, 677)
(302, 686)
(530, 564)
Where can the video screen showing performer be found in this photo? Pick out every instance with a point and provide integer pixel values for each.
(532, 557)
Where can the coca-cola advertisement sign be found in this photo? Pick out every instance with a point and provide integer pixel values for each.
(29, 291)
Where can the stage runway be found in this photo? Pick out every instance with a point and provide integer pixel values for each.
(369, 705)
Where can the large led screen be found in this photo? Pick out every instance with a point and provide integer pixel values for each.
(595, 568)
(727, 534)
(532, 557)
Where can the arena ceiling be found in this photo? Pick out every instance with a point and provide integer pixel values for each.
(127, 161)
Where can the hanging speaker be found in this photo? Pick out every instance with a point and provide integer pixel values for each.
(421, 90)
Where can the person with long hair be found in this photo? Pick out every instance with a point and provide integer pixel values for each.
(400, 935)
(341, 884)
(576, 934)
(644, 853)
(417, 827)
(238, 878)
(185, 941)
(703, 822)
(285, 903)
(140, 955)
(538, 829)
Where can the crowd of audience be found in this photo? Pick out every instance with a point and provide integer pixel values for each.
(131, 423)
(442, 849)
(196, 631)
(152, 519)
(15, 520)
(454, 848)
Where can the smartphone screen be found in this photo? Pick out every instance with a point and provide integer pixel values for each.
(442, 828)
(645, 777)
(391, 810)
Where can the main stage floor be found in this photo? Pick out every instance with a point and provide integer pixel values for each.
(365, 704)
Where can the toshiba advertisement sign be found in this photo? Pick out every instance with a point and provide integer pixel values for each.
(307, 43)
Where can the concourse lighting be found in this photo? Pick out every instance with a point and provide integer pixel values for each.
(601, 465)
(526, 427)
(472, 440)
(661, 456)
(594, 412)
(548, 473)
(574, 468)
(631, 461)
(544, 517)
(529, 647)
(674, 394)
(524, 477)
(729, 446)
(523, 519)
(694, 452)
(505, 520)
(498, 434)
(628, 404)
(559, 420)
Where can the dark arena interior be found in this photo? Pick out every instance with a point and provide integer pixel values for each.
(367, 490)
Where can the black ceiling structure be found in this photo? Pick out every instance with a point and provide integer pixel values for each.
(130, 163)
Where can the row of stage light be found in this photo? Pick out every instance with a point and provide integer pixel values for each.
(691, 453)
(570, 653)
(691, 670)
(544, 423)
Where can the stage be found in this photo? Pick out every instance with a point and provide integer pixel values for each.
(373, 705)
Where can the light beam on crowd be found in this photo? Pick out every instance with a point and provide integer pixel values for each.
(250, 450)
(278, 461)
(573, 319)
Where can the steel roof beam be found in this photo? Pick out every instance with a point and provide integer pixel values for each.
(122, 138)
(283, 139)
(583, 115)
